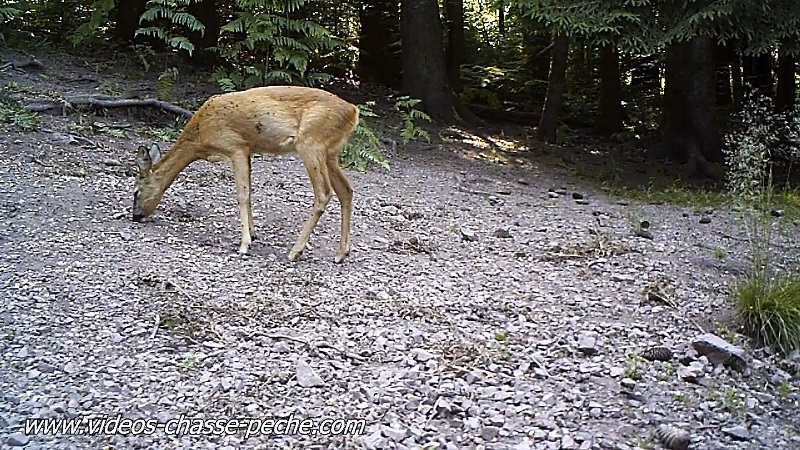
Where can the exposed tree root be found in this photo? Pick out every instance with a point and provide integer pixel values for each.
(104, 101)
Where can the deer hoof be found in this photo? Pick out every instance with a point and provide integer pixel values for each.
(294, 255)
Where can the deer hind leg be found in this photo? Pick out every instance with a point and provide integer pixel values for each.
(241, 174)
(344, 192)
(316, 167)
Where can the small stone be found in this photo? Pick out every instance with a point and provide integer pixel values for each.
(306, 376)
(554, 435)
(281, 347)
(111, 162)
(777, 213)
(737, 432)
(489, 433)
(45, 367)
(23, 352)
(718, 350)
(522, 181)
(17, 440)
(395, 432)
(691, 373)
(502, 233)
(59, 407)
(577, 195)
(71, 368)
(468, 235)
(567, 443)
(619, 278)
(705, 220)
(421, 355)
(607, 382)
(582, 202)
(374, 440)
(587, 344)
(552, 195)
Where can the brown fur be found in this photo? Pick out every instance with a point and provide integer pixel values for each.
(277, 120)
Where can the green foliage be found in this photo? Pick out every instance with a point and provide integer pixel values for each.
(13, 112)
(8, 13)
(364, 147)
(100, 13)
(411, 115)
(266, 46)
(168, 20)
(109, 88)
(768, 301)
(769, 310)
(165, 83)
(143, 54)
(633, 367)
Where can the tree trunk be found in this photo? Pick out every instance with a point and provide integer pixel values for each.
(456, 42)
(611, 115)
(206, 13)
(424, 68)
(787, 88)
(758, 73)
(378, 61)
(723, 56)
(556, 82)
(690, 132)
(737, 78)
(127, 18)
(501, 18)
(646, 75)
(536, 60)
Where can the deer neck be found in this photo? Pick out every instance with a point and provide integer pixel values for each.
(179, 156)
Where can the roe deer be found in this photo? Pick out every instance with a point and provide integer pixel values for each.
(275, 119)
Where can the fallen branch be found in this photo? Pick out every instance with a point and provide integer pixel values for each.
(108, 102)
(30, 62)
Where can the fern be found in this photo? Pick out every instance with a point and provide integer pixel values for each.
(364, 147)
(165, 83)
(8, 13)
(411, 115)
(262, 28)
(172, 12)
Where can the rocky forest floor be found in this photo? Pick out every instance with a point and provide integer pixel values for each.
(490, 301)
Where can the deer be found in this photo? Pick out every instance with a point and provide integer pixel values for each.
(276, 120)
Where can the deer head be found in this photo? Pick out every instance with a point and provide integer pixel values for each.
(148, 191)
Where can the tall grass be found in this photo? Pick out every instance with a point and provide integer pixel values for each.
(768, 300)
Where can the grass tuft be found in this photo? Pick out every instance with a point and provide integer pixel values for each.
(768, 309)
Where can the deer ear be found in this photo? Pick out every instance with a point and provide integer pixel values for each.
(143, 159)
(155, 153)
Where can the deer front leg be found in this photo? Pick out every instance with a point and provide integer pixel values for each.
(321, 185)
(241, 174)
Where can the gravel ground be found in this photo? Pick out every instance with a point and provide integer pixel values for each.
(478, 310)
